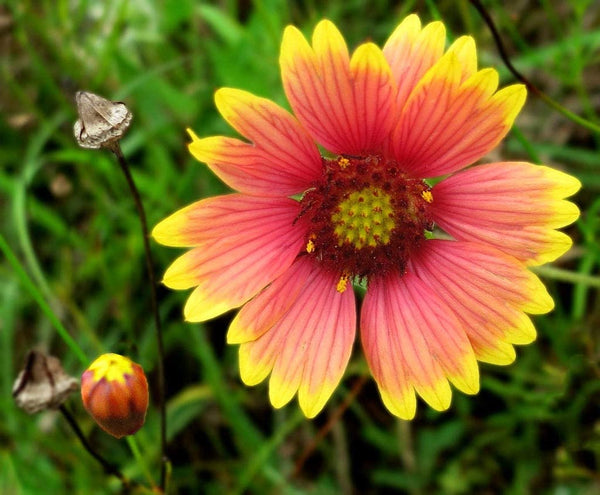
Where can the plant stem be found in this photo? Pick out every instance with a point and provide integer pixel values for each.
(530, 86)
(108, 467)
(116, 149)
(567, 276)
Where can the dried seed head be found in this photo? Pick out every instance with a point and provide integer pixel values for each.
(42, 384)
(101, 122)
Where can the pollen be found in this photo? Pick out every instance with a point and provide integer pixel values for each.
(364, 218)
(342, 284)
(343, 162)
(427, 196)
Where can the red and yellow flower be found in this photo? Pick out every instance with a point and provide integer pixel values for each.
(442, 248)
(114, 391)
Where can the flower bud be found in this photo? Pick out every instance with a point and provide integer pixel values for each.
(114, 391)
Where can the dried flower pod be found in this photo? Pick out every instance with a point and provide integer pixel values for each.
(114, 391)
(101, 122)
(42, 384)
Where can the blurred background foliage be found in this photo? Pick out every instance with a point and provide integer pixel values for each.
(68, 216)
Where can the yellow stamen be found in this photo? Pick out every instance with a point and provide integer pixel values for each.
(342, 284)
(427, 196)
(343, 162)
(310, 245)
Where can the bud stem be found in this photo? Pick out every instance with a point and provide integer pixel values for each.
(116, 149)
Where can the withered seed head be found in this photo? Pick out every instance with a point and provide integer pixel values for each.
(42, 384)
(101, 122)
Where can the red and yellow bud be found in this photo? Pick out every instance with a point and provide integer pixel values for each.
(114, 391)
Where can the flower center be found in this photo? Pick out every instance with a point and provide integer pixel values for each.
(364, 217)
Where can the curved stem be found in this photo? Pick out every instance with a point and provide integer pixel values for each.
(116, 149)
(530, 86)
(108, 467)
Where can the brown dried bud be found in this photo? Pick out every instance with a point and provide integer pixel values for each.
(42, 384)
(101, 122)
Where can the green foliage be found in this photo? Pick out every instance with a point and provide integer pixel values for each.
(69, 219)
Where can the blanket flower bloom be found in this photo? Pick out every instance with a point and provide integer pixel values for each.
(445, 261)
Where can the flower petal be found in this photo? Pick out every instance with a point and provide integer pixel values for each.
(243, 244)
(413, 340)
(466, 53)
(447, 124)
(224, 218)
(346, 105)
(282, 159)
(374, 90)
(267, 308)
(308, 348)
(489, 292)
(411, 51)
(513, 206)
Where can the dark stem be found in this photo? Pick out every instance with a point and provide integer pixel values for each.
(108, 467)
(501, 49)
(534, 89)
(116, 149)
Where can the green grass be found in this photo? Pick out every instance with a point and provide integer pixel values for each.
(78, 262)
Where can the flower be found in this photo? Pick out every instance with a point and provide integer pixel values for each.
(443, 250)
(114, 391)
